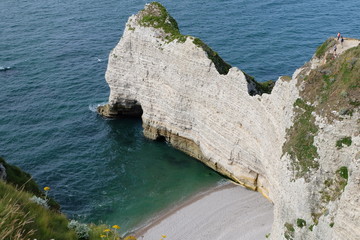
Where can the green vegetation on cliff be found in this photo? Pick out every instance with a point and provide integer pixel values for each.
(321, 50)
(21, 218)
(155, 15)
(289, 233)
(24, 181)
(221, 66)
(331, 191)
(332, 92)
(24, 216)
(335, 86)
(259, 87)
(343, 141)
(300, 140)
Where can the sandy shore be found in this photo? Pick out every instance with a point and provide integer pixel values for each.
(227, 212)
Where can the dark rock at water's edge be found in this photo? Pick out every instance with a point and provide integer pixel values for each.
(4, 69)
(2, 172)
(127, 108)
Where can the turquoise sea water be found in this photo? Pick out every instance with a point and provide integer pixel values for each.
(102, 170)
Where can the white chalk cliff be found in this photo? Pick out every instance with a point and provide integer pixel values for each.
(173, 83)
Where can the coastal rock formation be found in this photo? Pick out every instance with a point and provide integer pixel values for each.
(298, 146)
(2, 172)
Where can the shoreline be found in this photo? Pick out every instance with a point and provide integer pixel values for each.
(225, 211)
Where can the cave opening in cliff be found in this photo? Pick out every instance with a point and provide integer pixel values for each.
(160, 139)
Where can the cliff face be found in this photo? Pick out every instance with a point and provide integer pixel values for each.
(187, 95)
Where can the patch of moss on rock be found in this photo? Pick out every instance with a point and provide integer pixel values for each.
(343, 141)
(289, 233)
(300, 223)
(311, 227)
(331, 191)
(259, 87)
(300, 140)
(334, 186)
(286, 78)
(343, 172)
(155, 15)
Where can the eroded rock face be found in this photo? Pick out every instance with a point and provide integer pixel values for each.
(209, 114)
(2, 172)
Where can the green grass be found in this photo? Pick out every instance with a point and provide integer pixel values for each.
(260, 87)
(343, 141)
(343, 172)
(24, 181)
(300, 140)
(320, 51)
(21, 218)
(266, 87)
(335, 86)
(221, 66)
(19, 178)
(156, 16)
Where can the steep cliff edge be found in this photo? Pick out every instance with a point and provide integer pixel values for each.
(298, 146)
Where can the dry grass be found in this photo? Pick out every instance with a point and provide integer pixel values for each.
(13, 221)
(335, 86)
(20, 218)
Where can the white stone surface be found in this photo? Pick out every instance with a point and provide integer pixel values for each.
(181, 91)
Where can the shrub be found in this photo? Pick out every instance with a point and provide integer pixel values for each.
(300, 223)
(82, 230)
(40, 201)
(343, 141)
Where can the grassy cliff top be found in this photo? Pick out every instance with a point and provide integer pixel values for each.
(332, 91)
(335, 85)
(155, 15)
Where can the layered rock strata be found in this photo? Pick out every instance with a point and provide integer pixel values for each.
(187, 95)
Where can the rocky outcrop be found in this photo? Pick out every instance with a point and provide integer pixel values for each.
(2, 172)
(191, 98)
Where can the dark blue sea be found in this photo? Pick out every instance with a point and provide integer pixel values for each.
(53, 57)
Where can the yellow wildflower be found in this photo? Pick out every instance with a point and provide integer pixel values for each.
(163, 236)
(102, 235)
(46, 188)
(116, 227)
(130, 238)
(107, 230)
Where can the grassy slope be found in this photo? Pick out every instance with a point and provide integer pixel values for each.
(21, 218)
(334, 86)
